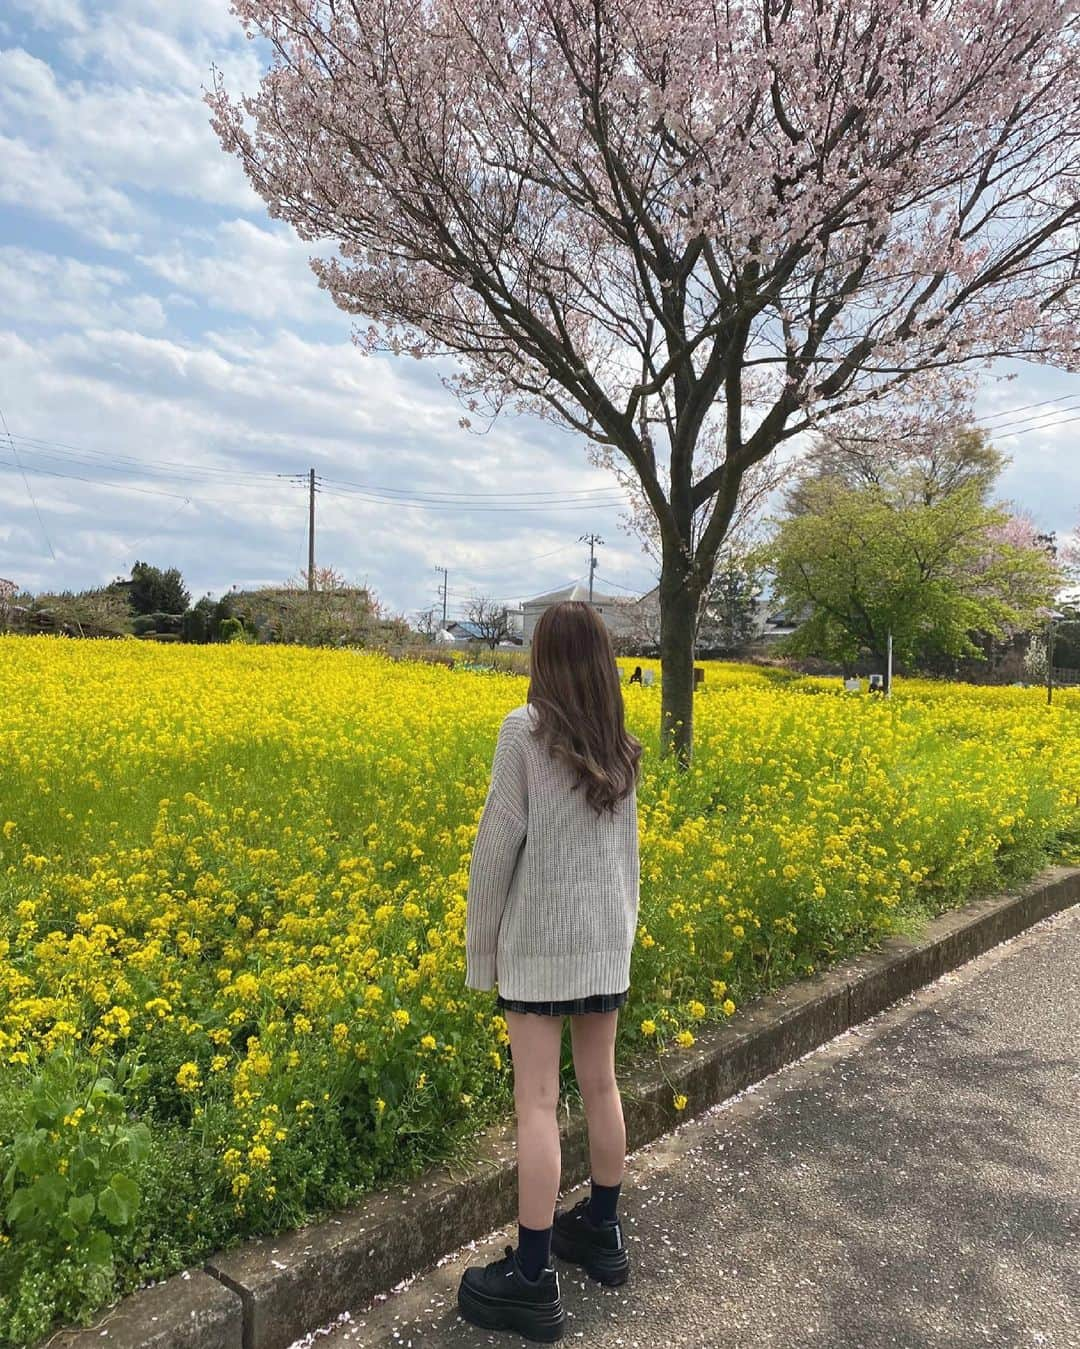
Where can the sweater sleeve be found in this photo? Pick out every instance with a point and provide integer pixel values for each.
(499, 839)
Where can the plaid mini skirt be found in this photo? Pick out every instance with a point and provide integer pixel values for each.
(595, 1002)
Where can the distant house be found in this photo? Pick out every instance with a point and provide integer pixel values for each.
(461, 631)
(773, 624)
(621, 613)
(8, 591)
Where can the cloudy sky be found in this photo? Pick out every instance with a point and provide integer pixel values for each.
(168, 362)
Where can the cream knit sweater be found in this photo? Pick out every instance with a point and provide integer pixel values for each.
(553, 887)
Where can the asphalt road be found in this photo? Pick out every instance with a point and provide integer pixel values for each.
(915, 1182)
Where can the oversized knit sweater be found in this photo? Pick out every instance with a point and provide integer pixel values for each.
(552, 901)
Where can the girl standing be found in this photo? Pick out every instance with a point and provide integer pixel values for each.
(551, 916)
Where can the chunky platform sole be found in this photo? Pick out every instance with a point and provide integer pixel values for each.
(543, 1324)
(607, 1267)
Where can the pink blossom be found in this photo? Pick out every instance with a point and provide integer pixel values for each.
(729, 223)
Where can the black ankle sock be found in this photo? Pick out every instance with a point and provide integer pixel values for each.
(603, 1203)
(534, 1250)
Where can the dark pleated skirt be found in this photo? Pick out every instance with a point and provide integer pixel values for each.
(595, 1002)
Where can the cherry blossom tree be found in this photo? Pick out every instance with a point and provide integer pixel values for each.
(1070, 553)
(662, 221)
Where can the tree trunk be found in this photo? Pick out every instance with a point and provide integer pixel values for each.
(678, 615)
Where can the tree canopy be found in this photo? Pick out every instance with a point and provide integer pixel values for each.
(154, 591)
(674, 226)
(866, 564)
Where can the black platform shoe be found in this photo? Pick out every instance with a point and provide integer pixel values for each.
(600, 1249)
(499, 1297)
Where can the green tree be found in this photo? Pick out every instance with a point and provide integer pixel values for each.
(156, 591)
(870, 562)
(222, 611)
(731, 601)
(920, 470)
(198, 621)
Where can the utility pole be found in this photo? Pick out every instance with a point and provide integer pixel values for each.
(888, 668)
(310, 480)
(311, 532)
(442, 590)
(592, 540)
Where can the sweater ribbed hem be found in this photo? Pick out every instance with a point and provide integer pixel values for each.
(576, 975)
(479, 970)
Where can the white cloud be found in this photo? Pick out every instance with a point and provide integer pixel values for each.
(112, 140)
(40, 288)
(124, 136)
(259, 404)
(45, 185)
(51, 14)
(260, 273)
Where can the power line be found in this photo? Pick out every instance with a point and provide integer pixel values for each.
(148, 469)
(499, 573)
(26, 480)
(505, 508)
(1026, 430)
(634, 590)
(1008, 412)
(130, 547)
(583, 492)
(62, 449)
(114, 486)
(63, 452)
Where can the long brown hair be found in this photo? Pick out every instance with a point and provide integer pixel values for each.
(574, 687)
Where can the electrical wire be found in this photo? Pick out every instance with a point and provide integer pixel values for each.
(149, 468)
(583, 492)
(507, 508)
(116, 462)
(517, 566)
(130, 547)
(1009, 412)
(26, 480)
(114, 486)
(1049, 426)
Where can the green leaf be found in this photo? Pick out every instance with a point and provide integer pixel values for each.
(139, 1142)
(20, 1207)
(99, 1249)
(28, 1150)
(127, 1189)
(112, 1207)
(50, 1192)
(81, 1209)
(83, 1171)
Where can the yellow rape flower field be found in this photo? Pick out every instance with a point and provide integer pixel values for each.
(232, 905)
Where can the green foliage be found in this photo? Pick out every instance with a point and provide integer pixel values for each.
(69, 1188)
(90, 613)
(199, 623)
(1067, 638)
(154, 591)
(930, 470)
(728, 617)
(221, 611)
(232, 630)
(332, 613)
(931, 573)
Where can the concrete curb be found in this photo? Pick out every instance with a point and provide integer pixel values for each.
(192, 1310)
(289, 1284)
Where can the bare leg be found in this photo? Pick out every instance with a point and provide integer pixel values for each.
(593, 1039)
(535, 1047)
